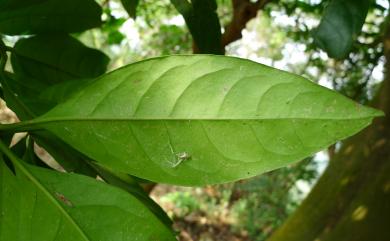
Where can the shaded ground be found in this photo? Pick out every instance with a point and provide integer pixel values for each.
(189, 218)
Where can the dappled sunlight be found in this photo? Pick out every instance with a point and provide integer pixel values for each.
(360, 213)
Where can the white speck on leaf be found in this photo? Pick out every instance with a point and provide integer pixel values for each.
(180, 157)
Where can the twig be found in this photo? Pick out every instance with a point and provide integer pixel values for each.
(243, 11)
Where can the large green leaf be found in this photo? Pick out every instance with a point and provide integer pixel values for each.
(203, 23)
(340, 25)
(55, 58)
(19, 17)
(39, 204)
(195, 120)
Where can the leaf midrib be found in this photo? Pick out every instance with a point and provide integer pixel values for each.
(38, 124)
(58, 119)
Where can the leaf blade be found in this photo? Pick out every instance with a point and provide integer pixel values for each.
(340, 25)
(198, 14)
(204, 128)
(55, 58)
(85, 209)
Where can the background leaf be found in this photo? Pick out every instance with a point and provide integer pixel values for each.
(203, 23)
(20, 98)
(130, 6)
(43, 61)
(19, 17)
(229, 119)
(55, 58)
(340, 25)
(39, 204)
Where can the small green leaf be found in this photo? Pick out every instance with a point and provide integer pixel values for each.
(203, 23)
(340, 26)
(195, 120)
(130, 6)
(39, 204)
(20, 17)
(55, 58)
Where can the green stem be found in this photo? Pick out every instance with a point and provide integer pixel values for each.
(19, 127)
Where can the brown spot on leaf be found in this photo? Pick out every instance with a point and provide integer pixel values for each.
(63, 199)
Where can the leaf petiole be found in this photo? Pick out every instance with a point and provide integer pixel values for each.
(18, 127)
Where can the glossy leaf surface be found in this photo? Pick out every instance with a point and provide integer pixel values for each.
(39, 204)
(195, 120)
(20, 17)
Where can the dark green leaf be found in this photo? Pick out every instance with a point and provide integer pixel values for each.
(340, 25)
(22, 96)
(130, 6)
(24, 99)
(6, 137)
(55, 58)
(27, 104)
(42, 61)
(66, 156)
(195, 120)
(39, 204)
(19, 17)
(19, 149)
(13, 101)
(203, 23)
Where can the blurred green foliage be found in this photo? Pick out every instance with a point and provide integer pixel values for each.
(257, 205)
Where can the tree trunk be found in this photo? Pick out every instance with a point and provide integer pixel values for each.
(351, 201)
